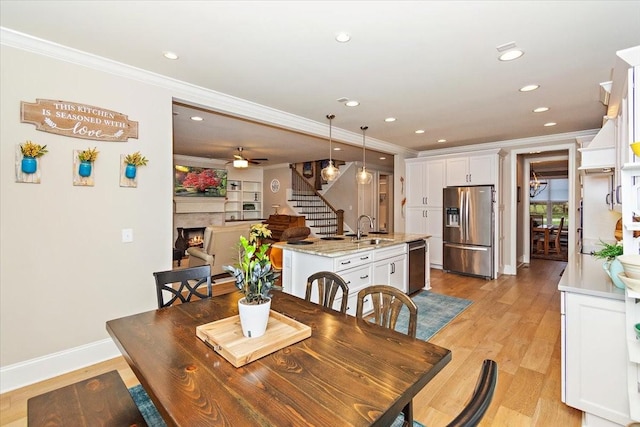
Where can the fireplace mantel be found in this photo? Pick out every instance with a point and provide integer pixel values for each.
(198, 204)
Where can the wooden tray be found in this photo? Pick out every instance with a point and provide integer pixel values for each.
(225, 337)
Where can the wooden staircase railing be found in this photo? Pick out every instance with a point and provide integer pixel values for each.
(318, 211)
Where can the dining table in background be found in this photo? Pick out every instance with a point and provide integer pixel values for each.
(546, 231)
(349, 372)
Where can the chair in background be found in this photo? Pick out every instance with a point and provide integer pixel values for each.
(292, 234)
(387, 305)
(481, 398)
(275, 258)
(327, 283)
(554, 241)
(194, 281)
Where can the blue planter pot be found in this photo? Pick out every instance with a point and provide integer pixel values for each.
(84, 170)
(29, 165)
(130, 171)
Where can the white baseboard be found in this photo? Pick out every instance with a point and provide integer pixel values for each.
(49, 366)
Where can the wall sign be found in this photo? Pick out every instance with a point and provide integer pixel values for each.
(78, 120)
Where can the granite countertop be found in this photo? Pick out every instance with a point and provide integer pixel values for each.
(584, 275)
(335, 248)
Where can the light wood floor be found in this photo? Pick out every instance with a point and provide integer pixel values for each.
(514, 320)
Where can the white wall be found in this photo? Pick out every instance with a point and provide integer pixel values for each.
(64, 269)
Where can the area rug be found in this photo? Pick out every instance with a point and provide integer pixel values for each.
(153, 418)
(435, 311)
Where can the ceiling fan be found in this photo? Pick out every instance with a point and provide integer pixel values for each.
(240, 161)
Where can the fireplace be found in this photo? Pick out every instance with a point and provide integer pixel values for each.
(194, 236)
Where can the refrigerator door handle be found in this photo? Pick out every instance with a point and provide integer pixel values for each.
(466, 215)
(461, 204)
(469, 248)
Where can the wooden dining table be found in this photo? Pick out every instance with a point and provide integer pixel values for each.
(546, 231)
(349, 372)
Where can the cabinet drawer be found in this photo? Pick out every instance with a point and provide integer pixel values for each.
(389, 252)
(353, 260)
(357, 278)
(352, 305)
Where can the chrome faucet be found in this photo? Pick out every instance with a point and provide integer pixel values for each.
(359, 230)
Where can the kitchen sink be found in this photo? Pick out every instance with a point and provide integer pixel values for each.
(375, 241)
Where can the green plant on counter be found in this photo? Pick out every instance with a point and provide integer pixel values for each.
(608, 250)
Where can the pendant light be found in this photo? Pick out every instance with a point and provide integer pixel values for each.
(330, 173)
(535, 185)
(363, 176)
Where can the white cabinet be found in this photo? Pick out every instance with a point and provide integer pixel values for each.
(425, 180)
(390, 267)
(428, 220)
(471, 170)
(595, 358)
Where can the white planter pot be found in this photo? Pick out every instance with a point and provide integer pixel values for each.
(254, 318)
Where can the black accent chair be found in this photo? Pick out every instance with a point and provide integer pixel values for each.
(192, 281)
(327, 283)
(481, 398)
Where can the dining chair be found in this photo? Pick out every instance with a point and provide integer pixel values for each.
(554, 241)
(192, 281)
(387, 305)
(275, 258)
(480, 400)
(328, 283)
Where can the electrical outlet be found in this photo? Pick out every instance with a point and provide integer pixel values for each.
(127, 235)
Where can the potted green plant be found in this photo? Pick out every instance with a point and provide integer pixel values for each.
(611, 265)
(30, 152)
(254, 277)
(133, 161)
(87, 157)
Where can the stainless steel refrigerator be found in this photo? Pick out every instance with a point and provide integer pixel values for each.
(468, 230)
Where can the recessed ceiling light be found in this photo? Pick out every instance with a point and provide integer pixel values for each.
(442, 140)
(337, 149)
(541, 109)
(343, 37)
(352, 103)
(529, 88)
(390, 119)
(420, 131)
(550, 124)
(170, 55)
(382, 158)
(197, 118)
(511, 55)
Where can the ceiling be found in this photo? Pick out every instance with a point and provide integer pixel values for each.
(432, 65)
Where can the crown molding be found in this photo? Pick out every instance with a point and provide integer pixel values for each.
(192, 94)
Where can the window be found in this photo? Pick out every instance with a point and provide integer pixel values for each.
(552, 202)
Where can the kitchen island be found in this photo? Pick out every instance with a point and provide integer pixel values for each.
(596, 370)
(374, 259)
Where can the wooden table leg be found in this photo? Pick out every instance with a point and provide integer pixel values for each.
(546, 241)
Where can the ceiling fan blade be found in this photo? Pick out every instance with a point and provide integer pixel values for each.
(253, 162)
(237, 156)
(262, 159)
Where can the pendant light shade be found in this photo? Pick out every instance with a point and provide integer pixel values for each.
(330, 173)
(363, 176)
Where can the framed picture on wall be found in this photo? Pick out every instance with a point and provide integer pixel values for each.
(200, 182)
(307, 169)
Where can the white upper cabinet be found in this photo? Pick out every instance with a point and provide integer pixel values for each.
(425, 180)
(471, 170)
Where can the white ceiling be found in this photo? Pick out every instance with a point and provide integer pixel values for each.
(431, 64)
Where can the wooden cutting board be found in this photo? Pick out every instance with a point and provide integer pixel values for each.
(225, 337)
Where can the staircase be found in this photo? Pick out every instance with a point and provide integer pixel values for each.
(322, 218)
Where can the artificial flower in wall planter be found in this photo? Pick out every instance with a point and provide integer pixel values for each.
(30, 152)
(87, 157)
(133, 161)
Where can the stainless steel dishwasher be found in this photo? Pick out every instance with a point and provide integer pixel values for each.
(417, 252)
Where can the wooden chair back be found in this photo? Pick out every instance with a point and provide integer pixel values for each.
(194, 281)
(481, 398)
(387, 304)
(328, 284)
